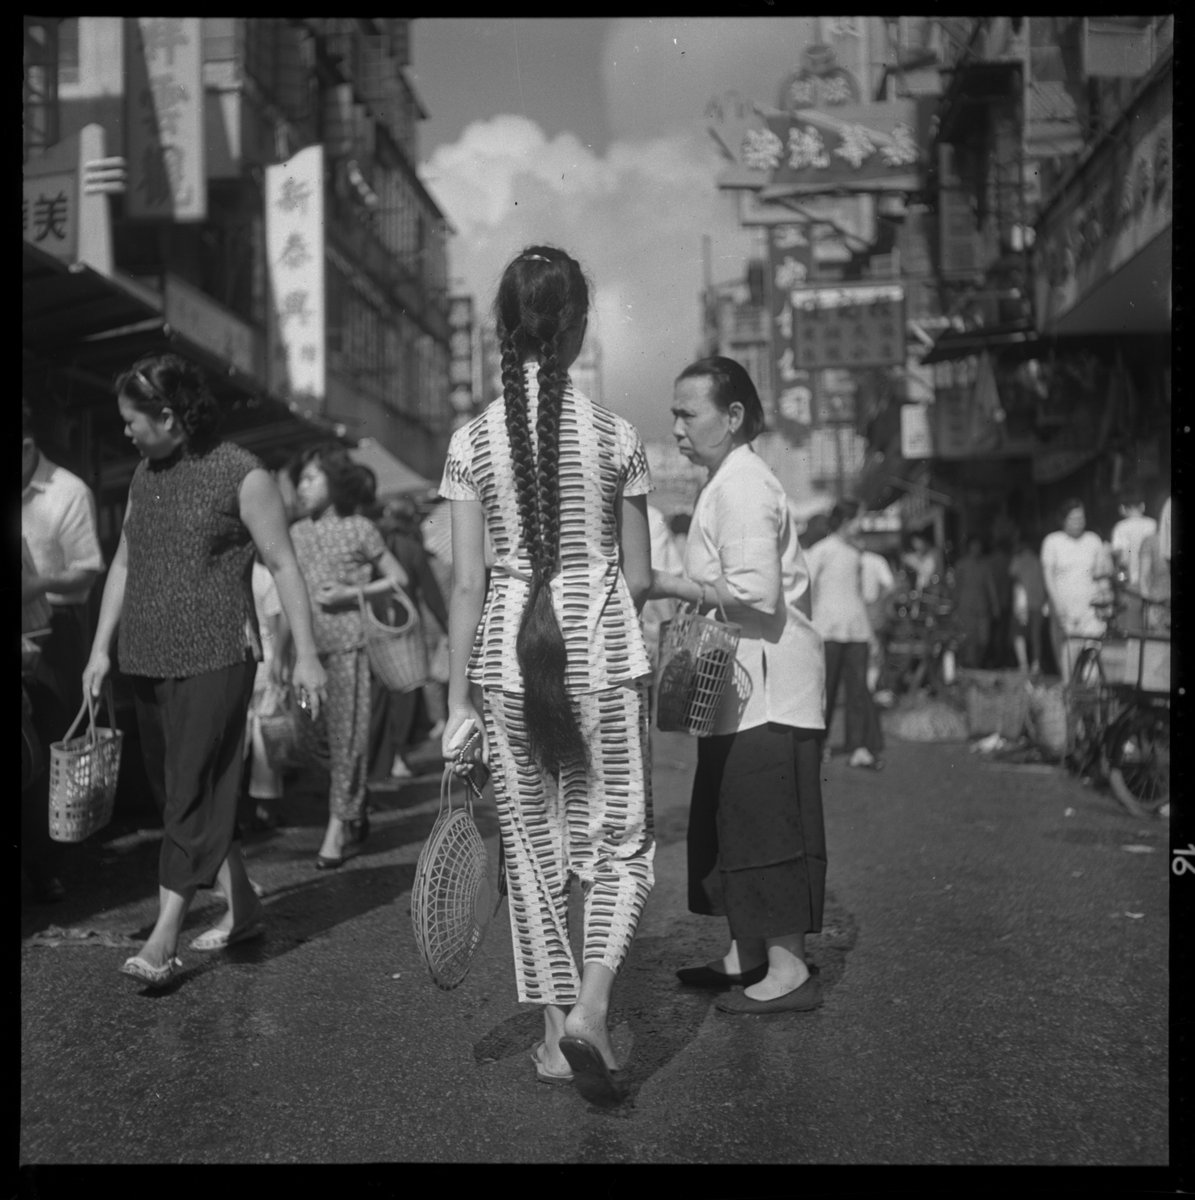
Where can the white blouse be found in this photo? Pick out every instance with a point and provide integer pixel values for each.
(1070, 566)
(743, 541)
(836, 572)
(601, 460)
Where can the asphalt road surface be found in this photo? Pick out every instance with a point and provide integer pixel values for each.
(995, 956)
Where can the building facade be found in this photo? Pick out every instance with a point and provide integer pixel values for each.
(1053, 204)
(176, 167)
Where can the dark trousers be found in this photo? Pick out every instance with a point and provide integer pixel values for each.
(847, 662)
(193, 742)
(55, 691)
(391, 724)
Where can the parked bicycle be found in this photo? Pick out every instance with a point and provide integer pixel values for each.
(1118, 707)
(921, 642)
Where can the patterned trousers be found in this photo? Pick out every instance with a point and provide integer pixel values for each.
(348, 731)
(595, 824)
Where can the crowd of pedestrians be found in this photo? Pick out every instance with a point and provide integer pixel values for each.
(544, 581)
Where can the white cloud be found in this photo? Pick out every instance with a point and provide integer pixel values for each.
(634, 217)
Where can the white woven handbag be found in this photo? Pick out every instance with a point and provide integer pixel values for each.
(456, 892)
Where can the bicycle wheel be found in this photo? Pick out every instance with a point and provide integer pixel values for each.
(1087, 703)
(1139, 760)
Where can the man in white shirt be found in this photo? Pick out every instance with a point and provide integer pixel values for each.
(840, 616)
(58, 525)
(1129, 532)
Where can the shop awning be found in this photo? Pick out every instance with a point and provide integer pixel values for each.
(394, 477)
(953, 344)
(81, 328)
(62, 303)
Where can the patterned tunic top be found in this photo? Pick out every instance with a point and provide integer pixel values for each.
(188, 603)
(343, 551)
(601, 460)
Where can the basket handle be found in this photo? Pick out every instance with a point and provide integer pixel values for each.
(403, 598)
(694, 608)
(446, 791)
(89, 707)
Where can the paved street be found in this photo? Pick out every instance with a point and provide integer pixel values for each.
(995, 956)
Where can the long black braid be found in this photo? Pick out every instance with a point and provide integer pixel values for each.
(542, 301)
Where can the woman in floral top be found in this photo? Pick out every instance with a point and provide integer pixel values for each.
(342, 557)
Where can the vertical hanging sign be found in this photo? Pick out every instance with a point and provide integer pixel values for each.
(790, 264)
(295, 265)
(164, 119)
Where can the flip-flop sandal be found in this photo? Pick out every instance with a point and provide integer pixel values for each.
(595, 1081)
(542, 1073)
(155, 977)
(221, 939)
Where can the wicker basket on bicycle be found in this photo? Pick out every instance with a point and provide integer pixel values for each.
(696, 661)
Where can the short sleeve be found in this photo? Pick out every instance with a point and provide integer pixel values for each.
(457, 482)
(77, 532)
(747, 526)
(636, 480)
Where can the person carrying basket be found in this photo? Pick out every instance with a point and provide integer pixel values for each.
(756, 843)
(179, 589)
(555, 645)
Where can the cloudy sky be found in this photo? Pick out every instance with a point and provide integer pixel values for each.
(589, 133)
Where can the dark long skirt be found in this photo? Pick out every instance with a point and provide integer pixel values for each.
(193, 742)
(757, 842)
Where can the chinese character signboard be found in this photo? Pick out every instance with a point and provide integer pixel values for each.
(164, 118)
(790, 261)
(295, 262)
(64, 211)
(850, 325)
(460, 356)
(864, 147)
(1120, 208)
(49, 213)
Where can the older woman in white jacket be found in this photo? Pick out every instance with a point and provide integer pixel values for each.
(756, 845)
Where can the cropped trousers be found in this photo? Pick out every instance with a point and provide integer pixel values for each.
(595, 824)
(192, 732)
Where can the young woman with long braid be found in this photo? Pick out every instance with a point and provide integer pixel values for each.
(548, 656)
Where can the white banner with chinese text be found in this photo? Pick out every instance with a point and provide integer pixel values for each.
(164, 119)
(295, 267)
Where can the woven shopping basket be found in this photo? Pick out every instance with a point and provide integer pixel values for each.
(280, 722)
(455, 894)
(696, 661)
(397, 653)
(83, 774)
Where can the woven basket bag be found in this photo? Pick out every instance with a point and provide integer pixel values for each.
(455, 894)
(397, 653)
(83, 775)
(696, 660)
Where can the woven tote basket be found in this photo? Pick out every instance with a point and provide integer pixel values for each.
(397, 653)
(281, 733)
(455, 895)
(696, 660)
(83, 774)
